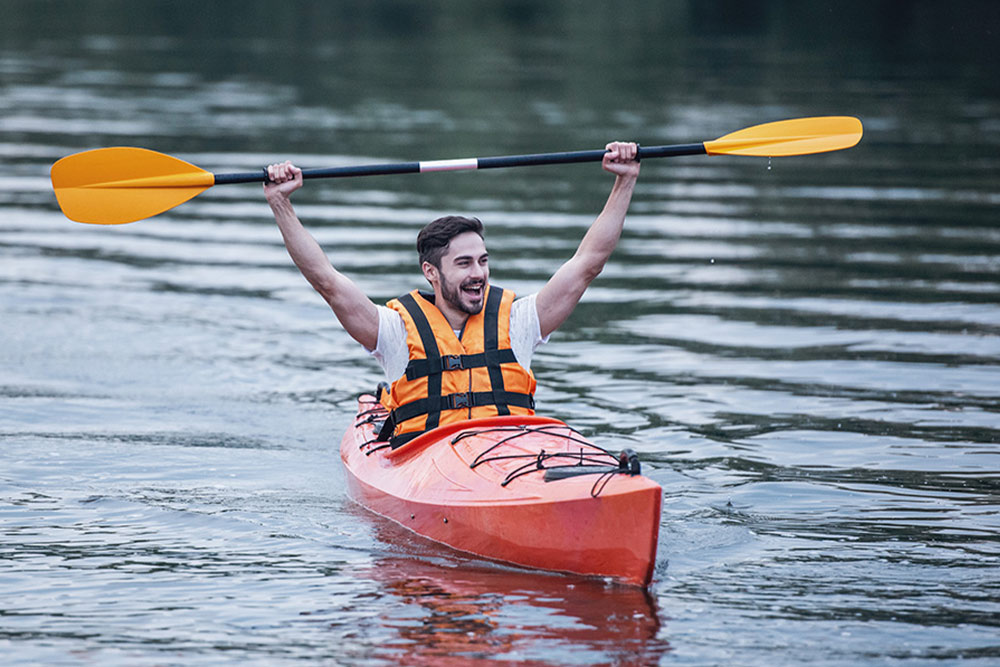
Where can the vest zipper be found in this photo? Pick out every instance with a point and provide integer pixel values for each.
(470, 394)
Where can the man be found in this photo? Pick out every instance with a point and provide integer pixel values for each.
(465, 350)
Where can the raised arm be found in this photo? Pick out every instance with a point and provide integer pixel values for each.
(563, 291)
(353, 308)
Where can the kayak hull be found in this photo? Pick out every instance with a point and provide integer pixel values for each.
(480, 487)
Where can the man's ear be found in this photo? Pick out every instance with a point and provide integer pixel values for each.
(430, 272)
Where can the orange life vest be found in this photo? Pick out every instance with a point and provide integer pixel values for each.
(450, 380)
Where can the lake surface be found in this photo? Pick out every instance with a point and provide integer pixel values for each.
(806, 353)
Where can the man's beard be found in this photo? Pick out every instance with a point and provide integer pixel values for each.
(453, 294)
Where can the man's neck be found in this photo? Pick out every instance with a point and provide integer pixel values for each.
(456, 318)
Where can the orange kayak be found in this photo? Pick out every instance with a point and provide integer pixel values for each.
(524, 490)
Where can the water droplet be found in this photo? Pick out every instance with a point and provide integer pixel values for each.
(769, 164)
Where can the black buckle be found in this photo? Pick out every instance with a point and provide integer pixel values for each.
(456, 401)
(452, 362)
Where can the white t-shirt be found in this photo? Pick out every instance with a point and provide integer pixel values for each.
(393, 355)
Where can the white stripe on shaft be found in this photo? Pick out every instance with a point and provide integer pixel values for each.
(449, 165)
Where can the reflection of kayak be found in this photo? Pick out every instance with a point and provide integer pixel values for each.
(524, 490)
(485, 614)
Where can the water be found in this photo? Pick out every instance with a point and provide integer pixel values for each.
(805, 353)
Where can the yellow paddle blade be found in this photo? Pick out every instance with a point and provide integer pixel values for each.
(799, 136)
(112, 186)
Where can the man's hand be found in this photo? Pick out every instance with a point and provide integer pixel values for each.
(620, 159)
(285, 177)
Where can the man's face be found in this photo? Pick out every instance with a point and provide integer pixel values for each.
(465, 273)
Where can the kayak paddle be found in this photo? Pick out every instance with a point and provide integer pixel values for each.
(111, 186)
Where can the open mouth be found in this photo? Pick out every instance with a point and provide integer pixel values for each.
(474, 290)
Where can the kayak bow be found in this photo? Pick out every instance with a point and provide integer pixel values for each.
(526, 490)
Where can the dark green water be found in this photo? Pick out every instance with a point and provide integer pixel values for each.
(804, 352)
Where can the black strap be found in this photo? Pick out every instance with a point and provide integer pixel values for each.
(419, 368)
(404, 438)
(430, 350)
(423, 326)
(388, 426)
(461, 401)
(491, 346)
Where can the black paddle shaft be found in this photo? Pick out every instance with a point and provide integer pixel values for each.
(466, 164)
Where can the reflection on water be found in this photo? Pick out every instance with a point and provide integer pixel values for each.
(805, 356)
(466, 611)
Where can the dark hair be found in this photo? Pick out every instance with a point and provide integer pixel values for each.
(433, 240)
